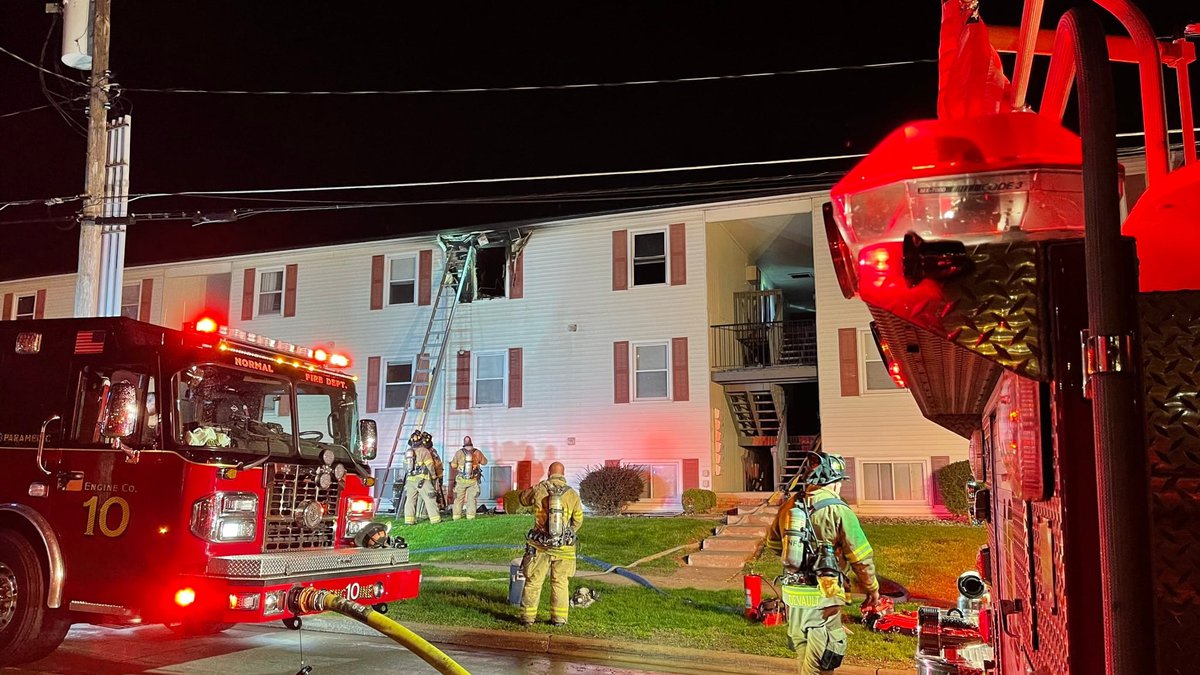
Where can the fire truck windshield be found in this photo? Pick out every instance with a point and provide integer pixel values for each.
(222, 407)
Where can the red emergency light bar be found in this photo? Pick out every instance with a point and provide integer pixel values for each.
(233, 339)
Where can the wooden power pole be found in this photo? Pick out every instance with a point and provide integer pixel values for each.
(87, 282)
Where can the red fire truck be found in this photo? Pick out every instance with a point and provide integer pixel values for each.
(190, 478)
(989, 248)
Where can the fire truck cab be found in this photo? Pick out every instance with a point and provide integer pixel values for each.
(191, 478)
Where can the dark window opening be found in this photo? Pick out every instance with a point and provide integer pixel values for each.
(649, 258)
(491, 267)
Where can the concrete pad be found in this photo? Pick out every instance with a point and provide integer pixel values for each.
(751, 519)
(723, 559)
(759, 531)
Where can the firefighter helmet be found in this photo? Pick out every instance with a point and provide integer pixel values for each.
(415, 438)
(827, 469)
(467, 442)
(427, 439)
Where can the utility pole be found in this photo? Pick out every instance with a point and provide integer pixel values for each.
(88, 275)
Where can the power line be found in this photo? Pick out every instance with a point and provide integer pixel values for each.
(539, 87)
(31, 64)
(35, 108)
(509, 179)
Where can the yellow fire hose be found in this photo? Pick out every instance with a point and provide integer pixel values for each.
(304, 600)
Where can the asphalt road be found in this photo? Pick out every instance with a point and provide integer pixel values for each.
(254, 650)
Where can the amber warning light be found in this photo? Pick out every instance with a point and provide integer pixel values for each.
(236, 336)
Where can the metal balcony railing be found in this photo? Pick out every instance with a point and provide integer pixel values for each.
(761, 345)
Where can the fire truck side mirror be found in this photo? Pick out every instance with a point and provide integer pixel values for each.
(121, 411)
(368, 437)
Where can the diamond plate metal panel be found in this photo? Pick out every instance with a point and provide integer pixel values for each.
(1170, 349)
(994, 311)
(282, 565)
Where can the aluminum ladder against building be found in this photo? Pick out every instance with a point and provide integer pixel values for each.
(456, 277)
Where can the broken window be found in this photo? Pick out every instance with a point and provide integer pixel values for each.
(491, 266)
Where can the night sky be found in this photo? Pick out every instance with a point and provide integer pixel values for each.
(184, 142)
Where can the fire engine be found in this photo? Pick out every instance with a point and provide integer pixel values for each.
(1021, 314)
(187, 477)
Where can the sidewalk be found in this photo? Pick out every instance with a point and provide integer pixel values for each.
(619, 653)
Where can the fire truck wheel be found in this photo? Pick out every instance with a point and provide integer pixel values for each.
(197, 628)
(28, 629)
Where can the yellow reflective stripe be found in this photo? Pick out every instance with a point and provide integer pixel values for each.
(861, 553)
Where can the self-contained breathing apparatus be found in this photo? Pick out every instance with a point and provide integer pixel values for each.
(467, 468)
(557, 532)
(808, 561)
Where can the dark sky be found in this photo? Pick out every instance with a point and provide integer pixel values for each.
(213, 142)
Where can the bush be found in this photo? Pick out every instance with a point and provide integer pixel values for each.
(696, 500)
(952, 484)
(512, 503)
(607, 490)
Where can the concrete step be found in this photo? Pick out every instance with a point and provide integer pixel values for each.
(751, 519)
(759, 531)
(758, 508)
(730, 543)
(722, 559)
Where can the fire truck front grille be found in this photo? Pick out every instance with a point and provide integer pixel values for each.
(291, 490)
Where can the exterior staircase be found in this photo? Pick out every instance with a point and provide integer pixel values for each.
(793, 462)
(755, 409)
(735, 542)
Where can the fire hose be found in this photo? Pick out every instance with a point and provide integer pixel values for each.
(309, 599)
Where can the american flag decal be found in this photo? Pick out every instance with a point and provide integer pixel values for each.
(89, 342)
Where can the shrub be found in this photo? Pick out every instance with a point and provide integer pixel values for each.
(952, 484)
(696, 500)
(607, 490)
(512, 503)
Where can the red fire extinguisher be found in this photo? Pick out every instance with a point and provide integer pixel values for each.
(753, 586)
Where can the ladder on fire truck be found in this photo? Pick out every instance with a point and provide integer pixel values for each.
(457, 276)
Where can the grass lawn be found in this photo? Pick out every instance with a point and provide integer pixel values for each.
(926, 558)
(618, 541)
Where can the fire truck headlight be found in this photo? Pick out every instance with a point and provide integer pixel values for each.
(225, 517)
(273, 602)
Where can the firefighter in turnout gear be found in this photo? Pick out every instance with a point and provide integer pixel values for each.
(467, 467)
(550, 545)
(822, 545)
(418, 481)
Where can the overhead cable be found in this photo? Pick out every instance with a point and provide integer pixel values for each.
(31, 64)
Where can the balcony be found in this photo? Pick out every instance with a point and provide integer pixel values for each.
(764, 352)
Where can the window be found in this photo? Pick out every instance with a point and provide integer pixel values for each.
(131, 299)
(894, 481)
(270, 292)
(397, 382)
(651, 366)
(402, 281)
(649, 258)
(874, 368)
(497, 480)
(660, 481)
(91, 402)
(491, 370)
(26, 306)
(490, 276)
(221, 407)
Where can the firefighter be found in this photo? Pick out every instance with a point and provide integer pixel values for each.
(550, 545)
(419, 481)
(466, 466)
(822, 544)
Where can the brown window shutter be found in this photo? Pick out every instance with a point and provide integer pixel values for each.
(620, 260)
(8, 307)
(516, 277)
(679, 369)
(936, 464)
(420, 381)
(248, 294)
(289, 290)
(621, 372)
(425, 276)
(1135, 185)
(678, 248)
(516, 390)
(691, 474)
(849, 486)
(524, 474)
(848, 360)
(462, 389)
(39, 304)
(146, 301)
(373, 366)
(377, 282)
(612, 462)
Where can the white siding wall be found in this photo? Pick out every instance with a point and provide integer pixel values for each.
(60, 294)
(879, 426)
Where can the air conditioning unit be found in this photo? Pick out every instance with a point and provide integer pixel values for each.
(752, 276)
